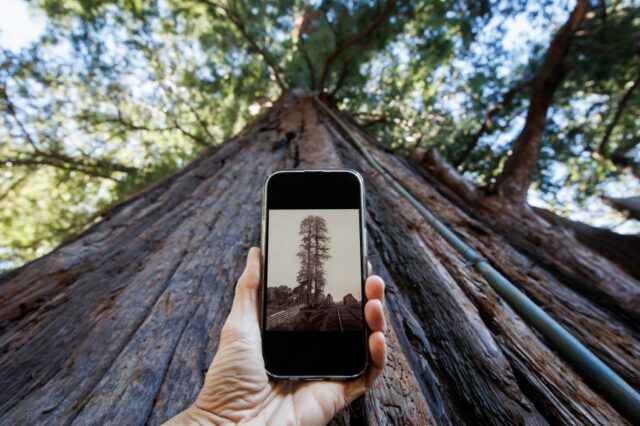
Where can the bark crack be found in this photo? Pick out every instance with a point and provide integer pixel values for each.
(125, 343)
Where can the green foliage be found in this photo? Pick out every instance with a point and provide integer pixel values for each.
(117, 94)
(605, 67)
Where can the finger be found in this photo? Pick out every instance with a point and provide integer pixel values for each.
(245, 301)
(374, 315)
(374, 288)
(378, 350)
(378, 358)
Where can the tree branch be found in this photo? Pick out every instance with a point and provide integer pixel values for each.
(14, 186)
(629, 206)
(375, 121)
(514, 180)
(353, 39)
(622, 103)
(197, 139)
(131, 126)
(619, 158)
(88, 169)
(11, 109)
(345, 68)
(507, 98)
(97, 168)
(366, 119)
(237, 22)
(200, 120)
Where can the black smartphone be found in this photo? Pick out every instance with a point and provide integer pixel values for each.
(314, 266)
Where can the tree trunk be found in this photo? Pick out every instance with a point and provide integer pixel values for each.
(119, 324)
(514, 180)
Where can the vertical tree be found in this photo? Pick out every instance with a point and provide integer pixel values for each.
(513, 182)
(314, 250)
(159, 269)
(320, 255)
(118, 324)
(304, 273)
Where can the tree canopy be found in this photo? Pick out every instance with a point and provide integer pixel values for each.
(116, 94)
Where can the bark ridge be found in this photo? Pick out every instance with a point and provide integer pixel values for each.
(119, 324)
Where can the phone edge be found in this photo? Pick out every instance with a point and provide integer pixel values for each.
(364, 269)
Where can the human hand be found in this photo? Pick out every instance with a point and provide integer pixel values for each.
(237, 388)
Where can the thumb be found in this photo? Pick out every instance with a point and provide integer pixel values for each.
(245, 301)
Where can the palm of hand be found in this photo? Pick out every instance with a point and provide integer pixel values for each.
(237, 388)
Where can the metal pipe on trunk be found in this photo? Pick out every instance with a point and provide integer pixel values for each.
(621, 395)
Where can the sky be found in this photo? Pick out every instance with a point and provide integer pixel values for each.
(19, 24)
(342, 269)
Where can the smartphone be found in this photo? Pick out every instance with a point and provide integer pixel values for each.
(314, 258)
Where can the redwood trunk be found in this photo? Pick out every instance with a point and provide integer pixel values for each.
(120, 324)
(514, 180)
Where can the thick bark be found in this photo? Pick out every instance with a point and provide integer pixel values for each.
(119, 324)
(556, 247)
(513, 182)
(622, 249)
(449, 176)
(547, 272)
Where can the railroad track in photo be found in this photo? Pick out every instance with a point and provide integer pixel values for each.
(341, 317)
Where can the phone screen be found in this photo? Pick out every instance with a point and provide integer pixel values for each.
(313, 276)
(314, 270)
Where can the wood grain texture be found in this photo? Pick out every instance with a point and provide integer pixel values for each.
(119, 324)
